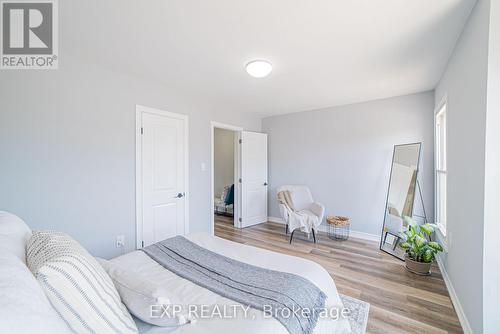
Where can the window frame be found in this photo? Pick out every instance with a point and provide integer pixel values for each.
(440, 165)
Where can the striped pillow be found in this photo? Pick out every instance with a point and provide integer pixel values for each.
(76, 285)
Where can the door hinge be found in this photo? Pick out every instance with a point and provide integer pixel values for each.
(241, 220)
(239, 180)
(240, 141)
(142, 130)
(142, 243)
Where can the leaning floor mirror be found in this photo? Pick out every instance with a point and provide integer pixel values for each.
(400, 196)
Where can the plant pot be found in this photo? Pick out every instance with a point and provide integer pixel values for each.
(419, 268)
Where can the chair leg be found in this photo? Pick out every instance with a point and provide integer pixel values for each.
(314, 235)
(291, 236)
(286, 229)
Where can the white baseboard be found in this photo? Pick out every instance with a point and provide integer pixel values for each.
(275, 220)
(454, 298)
(365, 236)
(322, 228)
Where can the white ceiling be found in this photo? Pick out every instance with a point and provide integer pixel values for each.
(324, 53)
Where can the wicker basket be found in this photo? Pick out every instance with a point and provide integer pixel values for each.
(338, 227)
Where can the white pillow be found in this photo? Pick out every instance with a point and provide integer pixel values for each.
(24, 308)
(14, 233)
(144, 298)
(76, 285)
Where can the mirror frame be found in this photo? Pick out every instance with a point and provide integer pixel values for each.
(389, 188)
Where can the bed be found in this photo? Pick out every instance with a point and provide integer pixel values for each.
(27, 307)
(190, 293)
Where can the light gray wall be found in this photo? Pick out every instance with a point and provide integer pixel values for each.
(491, 278)
(223, 159)
(464, 84)
(344, 154)
(67, 148)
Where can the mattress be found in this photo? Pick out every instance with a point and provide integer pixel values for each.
(186, 293)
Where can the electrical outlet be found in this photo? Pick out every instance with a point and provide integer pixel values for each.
(120, 241)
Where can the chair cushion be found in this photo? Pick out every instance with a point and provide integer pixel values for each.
(78, 288)
(224, 193)
(301, 197)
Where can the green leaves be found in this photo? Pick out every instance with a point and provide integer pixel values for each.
(436, 246)
(404, 245)
(420, 241)
(416, 241)
(428, 256)
(427, 228)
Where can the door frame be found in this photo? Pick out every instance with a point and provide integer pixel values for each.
(139, 110)
(237, 170)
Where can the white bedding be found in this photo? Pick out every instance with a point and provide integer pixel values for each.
(184, 292)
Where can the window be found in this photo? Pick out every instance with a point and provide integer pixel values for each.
(440, 168)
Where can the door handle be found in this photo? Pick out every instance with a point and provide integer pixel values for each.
(179, 195)
(265, 183)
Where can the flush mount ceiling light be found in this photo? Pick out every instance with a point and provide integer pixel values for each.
(259, 68)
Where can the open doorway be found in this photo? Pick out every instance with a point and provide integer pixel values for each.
(248, 190)
(225, 174)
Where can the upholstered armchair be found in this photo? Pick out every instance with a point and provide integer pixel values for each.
(299, 210)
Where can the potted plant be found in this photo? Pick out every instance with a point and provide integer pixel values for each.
(420, 252)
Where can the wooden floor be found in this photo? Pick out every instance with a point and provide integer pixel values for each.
(400, 302)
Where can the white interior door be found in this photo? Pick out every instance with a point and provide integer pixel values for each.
(253, 178)
(163, 145)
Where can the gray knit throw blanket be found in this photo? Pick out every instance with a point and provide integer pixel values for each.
(260, 288)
